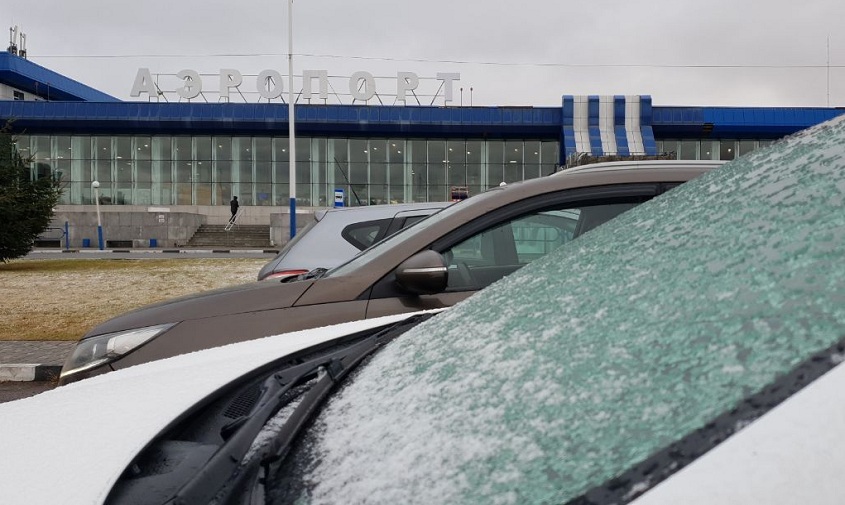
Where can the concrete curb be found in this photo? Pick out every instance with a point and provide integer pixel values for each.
(24, 372)
(33, 360)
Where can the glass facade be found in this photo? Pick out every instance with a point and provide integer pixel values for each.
(209, 170)
(718, 149)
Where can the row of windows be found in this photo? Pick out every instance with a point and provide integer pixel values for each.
(206, 170)
(718, 149)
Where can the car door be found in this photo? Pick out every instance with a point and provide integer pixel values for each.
(486, 249)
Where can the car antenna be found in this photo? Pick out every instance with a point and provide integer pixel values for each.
(352, 188)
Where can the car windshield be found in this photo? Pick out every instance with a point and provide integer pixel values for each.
(372, 253)
(581, 365)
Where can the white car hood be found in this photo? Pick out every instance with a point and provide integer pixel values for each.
(70, 444)
(792, 454)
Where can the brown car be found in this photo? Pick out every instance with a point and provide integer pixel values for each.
(435, 263)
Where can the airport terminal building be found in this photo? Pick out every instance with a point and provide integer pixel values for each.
(189, 157)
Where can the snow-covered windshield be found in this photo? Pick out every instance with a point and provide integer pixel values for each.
(560, 376)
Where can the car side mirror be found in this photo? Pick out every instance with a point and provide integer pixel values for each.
(424, 273)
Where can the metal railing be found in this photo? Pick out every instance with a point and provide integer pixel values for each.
(233, 221)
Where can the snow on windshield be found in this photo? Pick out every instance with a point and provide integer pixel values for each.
(583, 363)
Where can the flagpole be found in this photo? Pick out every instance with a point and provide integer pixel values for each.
(291, 134)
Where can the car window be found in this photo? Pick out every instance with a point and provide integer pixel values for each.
(488, 256)
(373, 253)
(412, 219)
(541, 233)
(363, 235)
(402, 221)
(299, 235)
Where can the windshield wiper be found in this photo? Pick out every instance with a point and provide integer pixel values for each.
(315, 274)
(321, 375)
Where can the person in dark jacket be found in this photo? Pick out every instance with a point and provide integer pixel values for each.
(234, 205)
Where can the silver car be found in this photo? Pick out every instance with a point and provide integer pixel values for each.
(335, 235)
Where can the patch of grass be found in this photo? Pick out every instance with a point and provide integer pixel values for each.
(63, 299)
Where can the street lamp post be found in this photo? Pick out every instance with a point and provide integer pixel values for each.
(291, 137)
(96, 186)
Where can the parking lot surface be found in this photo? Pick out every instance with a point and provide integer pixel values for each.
(16, 390)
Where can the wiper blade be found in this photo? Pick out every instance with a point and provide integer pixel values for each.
(315, 274)
(219, 468)
(329, 370)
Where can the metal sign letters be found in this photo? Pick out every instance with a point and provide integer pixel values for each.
(269, 85)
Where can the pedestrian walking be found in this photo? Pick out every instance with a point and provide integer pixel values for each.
(234, 205)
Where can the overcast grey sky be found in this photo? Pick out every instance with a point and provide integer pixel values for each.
(531, 52)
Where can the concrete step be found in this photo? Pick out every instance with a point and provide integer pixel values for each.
(239, 236)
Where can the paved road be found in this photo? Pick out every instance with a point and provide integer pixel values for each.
(15, 390)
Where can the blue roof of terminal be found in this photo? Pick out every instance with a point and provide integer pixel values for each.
(731, 122)
(75, 107)
(410, 121)
(246, 119)
(33, 78)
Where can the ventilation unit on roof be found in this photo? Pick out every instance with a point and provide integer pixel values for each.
(17, 42)
(13, 40)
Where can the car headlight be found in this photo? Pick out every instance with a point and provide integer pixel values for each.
(95, 351)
